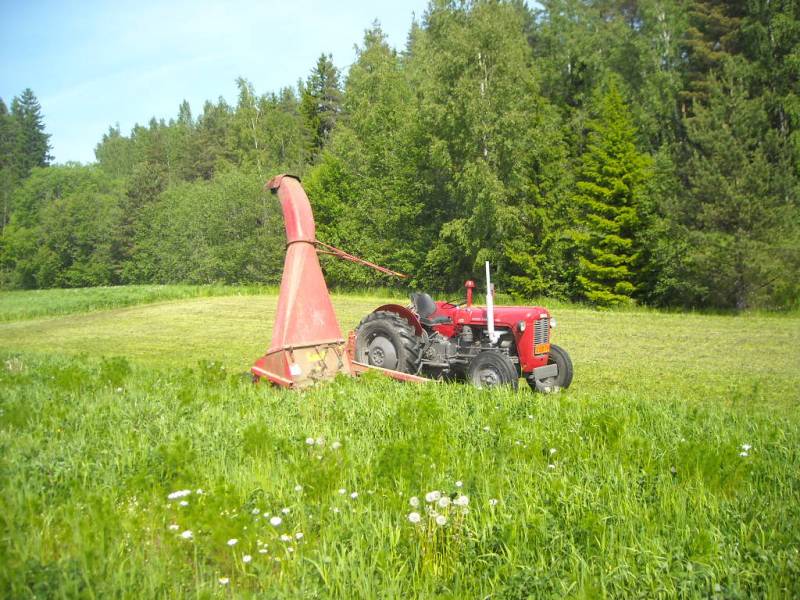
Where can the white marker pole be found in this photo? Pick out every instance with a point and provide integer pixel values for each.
(493, 336)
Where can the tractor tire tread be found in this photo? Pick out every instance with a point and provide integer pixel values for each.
(406, 332)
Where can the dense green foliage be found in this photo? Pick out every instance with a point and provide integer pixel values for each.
(608, 150)
(647, 478)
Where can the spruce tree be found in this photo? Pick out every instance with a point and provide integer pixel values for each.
(611, 171)
(321, 101)
(32, 144)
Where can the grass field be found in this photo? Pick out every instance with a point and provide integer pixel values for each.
(630, 484)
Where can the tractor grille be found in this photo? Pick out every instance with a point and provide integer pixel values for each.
(541, 331)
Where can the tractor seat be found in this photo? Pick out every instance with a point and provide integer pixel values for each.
(425, 307)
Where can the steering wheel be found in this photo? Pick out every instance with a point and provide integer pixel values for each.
(455, 304)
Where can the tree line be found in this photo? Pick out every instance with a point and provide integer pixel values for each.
(610, 151)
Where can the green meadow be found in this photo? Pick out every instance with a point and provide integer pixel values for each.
(137, 460)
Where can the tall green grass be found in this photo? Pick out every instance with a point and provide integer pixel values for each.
(588, 493)
(630, 484)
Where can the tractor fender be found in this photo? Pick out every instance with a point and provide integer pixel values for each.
(404, 312)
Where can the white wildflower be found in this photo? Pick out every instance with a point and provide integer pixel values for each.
(247, 558)
(173, 527)
(289, 549)
(286, 511)
(320, 441)
(298, 488)
(179, 494)
(354, 495)
(275, 521)
(493, 501)
(433, 496)
(551, 466)
(187, 535)
(298, 535)
(184, 503)
(746, 447)
(286, 538)
(444, 502)
(233, 542)
(335, 510)
(224, 580)
(413, 501)
(255, 511)
(342, 491)
(262, 550)
(414, 517)
(486, 428)
(743, 453)
(336, 445)
(459, 483)
(199, 492)
(310, 441)
(441, 520)
(552, 451)
(461, 501)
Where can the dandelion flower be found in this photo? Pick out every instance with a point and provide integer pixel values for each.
(310, 441)
(336, 445)
(459, 483)
(179, 494)
(233, 542)
(493, 501)
(275, 521)
(414, 517)
(298, 488)
(354, 495)
(187, 535)
(224, 580)
(444, 502)
(413, 501)
(255, 511)
(298, 535)
(441, 520)
(433, 496)
(461, 501)
(746, 447)
(247, 558)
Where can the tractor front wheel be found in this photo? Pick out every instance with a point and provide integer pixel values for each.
(560, 357)
(385, 339)
(491, 369)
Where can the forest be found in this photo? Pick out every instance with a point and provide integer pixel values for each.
(604, 151)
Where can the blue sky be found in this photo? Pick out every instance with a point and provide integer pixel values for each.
(93, 64)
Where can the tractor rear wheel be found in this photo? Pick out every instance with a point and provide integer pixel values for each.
(558, 356)
(385, 339)
(491, 369)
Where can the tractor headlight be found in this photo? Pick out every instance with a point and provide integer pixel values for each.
(553, 322)
(521, 326)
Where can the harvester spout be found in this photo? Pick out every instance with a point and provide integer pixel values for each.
(307, 343)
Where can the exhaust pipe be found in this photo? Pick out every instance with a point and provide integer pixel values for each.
(493, 335)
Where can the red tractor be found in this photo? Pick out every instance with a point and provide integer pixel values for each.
(487, 346)
(426, 340)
